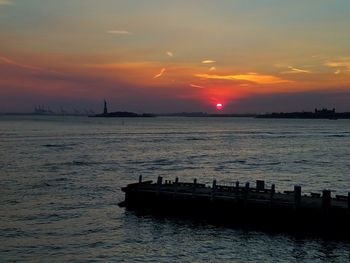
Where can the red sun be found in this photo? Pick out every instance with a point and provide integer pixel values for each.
(219, 106)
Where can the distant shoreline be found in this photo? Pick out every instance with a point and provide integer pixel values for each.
(281, 115)
(317, 114)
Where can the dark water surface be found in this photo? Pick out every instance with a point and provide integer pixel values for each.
(60, 180)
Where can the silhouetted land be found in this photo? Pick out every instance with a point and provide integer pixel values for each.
(120, 113)
(317, 114)
(204, 114)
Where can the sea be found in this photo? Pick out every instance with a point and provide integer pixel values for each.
(61, 180)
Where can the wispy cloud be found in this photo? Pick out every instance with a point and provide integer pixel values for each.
(5, 2)
(208, 61)
(159, 74)
(212, 68)
(27, 66)
(252, 77)
(342, 64)
(170, 54)
(338, 71)
(17, 64)
(293, 70)
(125, 65)
(196, 86)
(119, 32)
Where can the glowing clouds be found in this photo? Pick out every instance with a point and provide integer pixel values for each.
(5, 2)
(294, 70)
(119, 32)
(208, 61)
(196, 86)
(251, 77)
(341, 65)
(169, 54)
(159, 74)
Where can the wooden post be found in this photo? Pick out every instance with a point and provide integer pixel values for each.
(237, 189)
(140, 179)
(176, 186)
(272, 191)
(194, 186)
(247, 189)
(213, 190)
(326, 199)
(297, 195)
(159, 183)
(260, 185)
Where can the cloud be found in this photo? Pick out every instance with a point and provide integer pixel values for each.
(159, 74)
(342, 64)
(212, 68)
(196, 86)
(12, 62)
(15, 63)
(170, 54)
(252, 77)
(5, 2)
(208, 61)
(127, 65)
(294, 70)
(338, 71)
(119, 32)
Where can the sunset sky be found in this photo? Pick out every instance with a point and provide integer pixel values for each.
(173, 56)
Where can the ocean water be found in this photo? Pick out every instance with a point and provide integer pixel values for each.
(60, 180)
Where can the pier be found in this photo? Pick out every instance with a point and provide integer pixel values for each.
(320, 214)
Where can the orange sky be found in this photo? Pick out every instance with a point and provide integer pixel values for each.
(164, 56)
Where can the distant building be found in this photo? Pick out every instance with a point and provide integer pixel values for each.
(324, 111)
(105, 111)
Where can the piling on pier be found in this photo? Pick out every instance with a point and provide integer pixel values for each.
(297, 195)
(326, 199)
(260, 185)
(272, 191)
(213, 190)
(159, 184)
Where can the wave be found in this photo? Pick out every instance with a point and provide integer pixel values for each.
(60, 146)
(338, 135)
(196, 139)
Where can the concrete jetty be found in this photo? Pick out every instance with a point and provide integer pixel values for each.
(320, 214)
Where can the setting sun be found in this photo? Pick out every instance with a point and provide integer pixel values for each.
(219, 106)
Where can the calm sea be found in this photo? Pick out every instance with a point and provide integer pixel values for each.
(60, 180)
